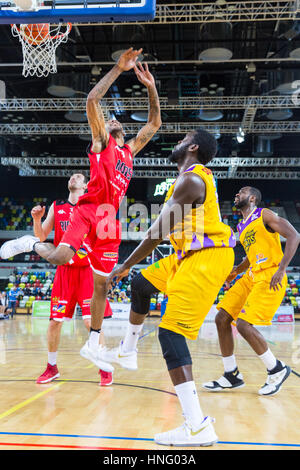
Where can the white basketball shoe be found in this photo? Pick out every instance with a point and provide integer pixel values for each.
(184, 436)
(229, 380)
(94, 355)
(19, 245)
(275, 379)
(127, 360)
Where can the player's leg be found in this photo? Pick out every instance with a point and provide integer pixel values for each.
(126, 353)
(261, 306)
(223, 323)
(229, 309)
(197, 429)
(53, 337)
(63, 303)
(78, 228)
(143, 285)
(191, 294)
(84, 293)
(58, 256)
(54, 255)
(102, 263)
(57, 312)
(106, 378)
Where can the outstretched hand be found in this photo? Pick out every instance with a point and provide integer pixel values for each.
(127, 60)
(143, 74)
(117, 274)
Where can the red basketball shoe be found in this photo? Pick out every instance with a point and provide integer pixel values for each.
(106, 378)
(51, 373)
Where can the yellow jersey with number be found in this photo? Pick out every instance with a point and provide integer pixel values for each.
(202, 226)
(263, 248)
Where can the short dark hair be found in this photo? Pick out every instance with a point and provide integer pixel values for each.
(84, 176)
(256, 192)
(207, 145)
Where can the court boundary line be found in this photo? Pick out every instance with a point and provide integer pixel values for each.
(57, 382)
(272, 444)
(61, 446)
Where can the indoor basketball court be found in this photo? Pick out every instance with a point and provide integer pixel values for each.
(229, 68)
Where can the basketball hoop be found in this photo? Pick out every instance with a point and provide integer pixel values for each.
(39, 43)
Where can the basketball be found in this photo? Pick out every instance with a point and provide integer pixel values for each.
(35, 33)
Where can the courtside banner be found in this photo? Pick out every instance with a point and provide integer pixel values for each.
(284, 314)
(41, 308)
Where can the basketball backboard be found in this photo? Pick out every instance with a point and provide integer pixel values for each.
(78, 11)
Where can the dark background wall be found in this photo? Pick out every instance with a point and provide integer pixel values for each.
(11, 184)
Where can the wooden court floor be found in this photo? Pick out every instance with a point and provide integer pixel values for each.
(73, 412)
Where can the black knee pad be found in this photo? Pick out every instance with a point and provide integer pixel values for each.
(141, 291)
(174, 348)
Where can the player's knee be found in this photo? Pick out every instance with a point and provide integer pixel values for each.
(61, 256)
(100, 287)
(242, 326)
(141, 290)
(222, 319)
(54, 325)
(174, 349)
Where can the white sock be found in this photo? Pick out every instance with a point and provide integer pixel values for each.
(229, 363)
(268, 359)
(52, 356)
(131, 337)
(188, 397)
(94, 339)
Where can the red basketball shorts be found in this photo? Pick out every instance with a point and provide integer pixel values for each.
(99, 235)
(73, 285)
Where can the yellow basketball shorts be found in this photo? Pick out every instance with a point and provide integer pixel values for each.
(192, 286)
(252, 300)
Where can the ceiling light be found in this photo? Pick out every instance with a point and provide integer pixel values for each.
(96, 70)
(75, 116)
(251, 67)
(279, 114)
(210, 115)
(141, 116)
(240, 137)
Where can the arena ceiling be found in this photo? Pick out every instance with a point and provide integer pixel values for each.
(228, 76)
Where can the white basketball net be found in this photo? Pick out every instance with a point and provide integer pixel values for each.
(39, 51)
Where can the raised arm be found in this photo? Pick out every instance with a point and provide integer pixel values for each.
(94, 111)
(42, 230)
(286, 230)
(154, 117)
(189, 189)
(240, 268)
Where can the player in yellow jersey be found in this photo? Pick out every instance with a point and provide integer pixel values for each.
(256, 296)
(191, 277)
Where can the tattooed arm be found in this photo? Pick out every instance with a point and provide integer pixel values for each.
(94, 111)
(154, 118)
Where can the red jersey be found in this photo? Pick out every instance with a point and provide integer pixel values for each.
(62, 213)
(110, 174)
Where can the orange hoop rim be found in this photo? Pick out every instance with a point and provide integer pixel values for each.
(57, 36)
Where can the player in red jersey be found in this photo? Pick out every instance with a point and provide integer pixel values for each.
(73, 282)
(94, 220)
